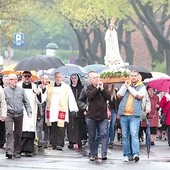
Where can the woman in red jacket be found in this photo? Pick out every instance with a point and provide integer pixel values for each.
(165, 106)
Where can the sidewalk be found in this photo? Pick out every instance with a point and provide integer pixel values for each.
(73, 160)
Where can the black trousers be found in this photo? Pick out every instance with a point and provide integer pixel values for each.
(57, 135)
(27, 142)
(13, 142)
(2, 133)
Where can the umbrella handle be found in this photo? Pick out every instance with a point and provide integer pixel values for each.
(147, 121)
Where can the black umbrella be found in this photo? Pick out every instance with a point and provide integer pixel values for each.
(143, 71)
(40, 62)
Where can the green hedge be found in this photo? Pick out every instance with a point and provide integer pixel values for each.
(159, 66)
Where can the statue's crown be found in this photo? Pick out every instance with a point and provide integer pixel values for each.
(112, 21)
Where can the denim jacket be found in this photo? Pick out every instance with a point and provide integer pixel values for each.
(137, 105)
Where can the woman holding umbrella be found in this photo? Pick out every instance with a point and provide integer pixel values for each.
(153, 114)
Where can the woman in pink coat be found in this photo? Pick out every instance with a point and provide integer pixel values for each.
(153, 115)
(165, 106)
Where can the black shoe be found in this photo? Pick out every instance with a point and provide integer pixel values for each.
(28, 154)
(84, 142)
(54, 147)
(2, 146)
(92, 158)
(45, 146)
(152, 143)
(9, 156)
(111, 145)
(59, 148)
(17, 156)
(104, 158)
(96, 157)
(70, 146)
(131, 158)
(118, 136)
(136, 158)
(169, 143)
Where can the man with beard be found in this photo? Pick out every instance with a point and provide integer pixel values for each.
(130, 110)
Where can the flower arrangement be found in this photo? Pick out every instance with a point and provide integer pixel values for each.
(122, 72)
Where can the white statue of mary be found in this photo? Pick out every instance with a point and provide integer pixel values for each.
(112, 58)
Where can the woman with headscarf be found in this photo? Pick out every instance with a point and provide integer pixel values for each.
(75, 127)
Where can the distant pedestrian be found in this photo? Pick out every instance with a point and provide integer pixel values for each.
(83, 104)
(4, 83)
(113, 105)
(43, 131)
(3, 115)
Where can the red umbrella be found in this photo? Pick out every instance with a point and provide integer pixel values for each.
(160, 84)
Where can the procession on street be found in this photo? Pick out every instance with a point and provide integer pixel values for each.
(47, 113)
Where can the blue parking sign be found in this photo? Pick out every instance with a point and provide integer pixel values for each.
(19, 39)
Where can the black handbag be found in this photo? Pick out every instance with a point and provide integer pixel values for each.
(163, 119)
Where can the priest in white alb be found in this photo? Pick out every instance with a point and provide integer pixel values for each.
(60, 103)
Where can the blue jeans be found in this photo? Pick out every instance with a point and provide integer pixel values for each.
(97, 139)
(130, 128)
(92, 126)
(112, 126)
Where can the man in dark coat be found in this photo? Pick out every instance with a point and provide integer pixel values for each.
(97, 115)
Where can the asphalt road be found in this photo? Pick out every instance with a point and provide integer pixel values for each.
(77, 160)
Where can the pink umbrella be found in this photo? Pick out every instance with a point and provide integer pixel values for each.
(162, 84)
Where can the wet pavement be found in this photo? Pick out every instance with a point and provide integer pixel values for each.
(78, 160)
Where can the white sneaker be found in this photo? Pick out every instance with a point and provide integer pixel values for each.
(126, 159)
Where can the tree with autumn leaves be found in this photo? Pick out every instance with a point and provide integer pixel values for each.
(92, 17)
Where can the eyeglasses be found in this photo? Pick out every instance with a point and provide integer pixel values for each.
(27, 76)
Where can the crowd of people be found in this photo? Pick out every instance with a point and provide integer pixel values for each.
(50, 112)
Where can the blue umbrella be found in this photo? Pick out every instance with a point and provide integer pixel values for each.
(70, 69)
(98, 68)
(148, 137)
